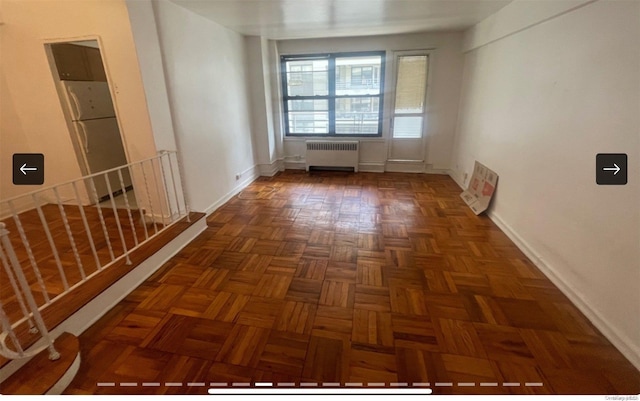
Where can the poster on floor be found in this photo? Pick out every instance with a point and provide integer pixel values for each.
(481, 188)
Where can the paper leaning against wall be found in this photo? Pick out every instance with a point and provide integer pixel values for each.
(481, 188)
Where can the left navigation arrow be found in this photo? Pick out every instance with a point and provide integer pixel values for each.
(28, 169)
(24, 169)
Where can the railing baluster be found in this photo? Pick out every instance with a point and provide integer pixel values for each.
(86, 227)
(146, 186)
(184, 190)
(173, 181)
(155, 180)
(117, 217)
(32, 260)
(16, 290)
(135, 194)
(166, 187)
(6, 327)
(102, 223)
(6, 243)
(52, 244)
(126, 202)
(67, 227)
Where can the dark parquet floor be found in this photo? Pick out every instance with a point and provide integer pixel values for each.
(338, 279)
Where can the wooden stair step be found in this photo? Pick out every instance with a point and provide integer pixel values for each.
(40, 374)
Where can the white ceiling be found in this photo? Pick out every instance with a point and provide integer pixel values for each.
(292, 19)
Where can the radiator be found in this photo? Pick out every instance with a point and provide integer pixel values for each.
(332, 154)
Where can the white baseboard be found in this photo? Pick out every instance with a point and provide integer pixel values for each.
(295, 165)
(98, 306)
(371, 167)
(624, 344)
(212, 208)
(440, 171)
(457, 179)
(269, 170)
(404, 167)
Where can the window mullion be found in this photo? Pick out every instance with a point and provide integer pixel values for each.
(332, 95)
(285, 91)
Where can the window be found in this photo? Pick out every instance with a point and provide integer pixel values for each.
(337, 94)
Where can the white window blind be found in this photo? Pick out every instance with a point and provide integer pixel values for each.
(411, 86)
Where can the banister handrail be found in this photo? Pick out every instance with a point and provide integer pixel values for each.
(84, 177)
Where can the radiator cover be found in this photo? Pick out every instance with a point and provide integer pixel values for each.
(332, 154)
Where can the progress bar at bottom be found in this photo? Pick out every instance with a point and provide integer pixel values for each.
(349, 391)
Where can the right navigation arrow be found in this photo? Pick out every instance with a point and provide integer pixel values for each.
(614, 168)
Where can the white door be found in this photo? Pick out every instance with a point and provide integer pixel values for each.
(408, 125)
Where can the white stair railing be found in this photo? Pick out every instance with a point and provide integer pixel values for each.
(7, 329)
(40, 270)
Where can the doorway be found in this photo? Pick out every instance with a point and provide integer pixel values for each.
(408, 121)
(80, 76)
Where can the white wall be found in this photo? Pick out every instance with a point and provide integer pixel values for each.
(262, 125)
(145, 34)
(536, 107)
(32, 118)
(514, 17)
(443, 97)
(207, 85)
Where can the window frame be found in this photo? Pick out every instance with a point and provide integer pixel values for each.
(427, 86)
(331, 96)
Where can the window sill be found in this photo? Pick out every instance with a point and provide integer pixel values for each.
(335, 138)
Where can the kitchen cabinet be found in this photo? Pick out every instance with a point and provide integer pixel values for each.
(78, 63)
(94, 64)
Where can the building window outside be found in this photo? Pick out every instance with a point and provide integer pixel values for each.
(338, 94)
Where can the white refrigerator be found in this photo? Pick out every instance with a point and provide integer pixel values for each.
(97, 136)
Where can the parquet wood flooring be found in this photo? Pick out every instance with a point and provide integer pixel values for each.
(341, 278)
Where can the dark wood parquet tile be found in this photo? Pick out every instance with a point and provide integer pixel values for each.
(261, 312)
(372, 298)
(327, 360)
(351, 278)
(372, 364)
(243, 346)
(296, 317)
(226, 306)
(334, 322)
(285, 353)
(183, 369)
(414, 333)
(135, 327)
(370, 327)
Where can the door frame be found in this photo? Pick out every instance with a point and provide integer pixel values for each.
(112, 87)
(80, 156)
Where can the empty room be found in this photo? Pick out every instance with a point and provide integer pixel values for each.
(320, 197)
